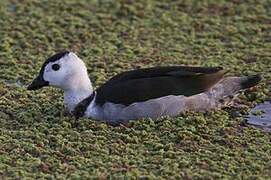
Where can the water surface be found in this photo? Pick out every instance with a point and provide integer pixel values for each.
(260, 116)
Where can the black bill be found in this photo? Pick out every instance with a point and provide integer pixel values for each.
(38, 83)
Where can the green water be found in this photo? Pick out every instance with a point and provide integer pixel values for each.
(38, 141)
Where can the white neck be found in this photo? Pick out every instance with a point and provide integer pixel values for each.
(80, 89)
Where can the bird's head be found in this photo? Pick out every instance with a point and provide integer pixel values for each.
(63, 70)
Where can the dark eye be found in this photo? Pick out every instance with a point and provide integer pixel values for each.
(55, 67)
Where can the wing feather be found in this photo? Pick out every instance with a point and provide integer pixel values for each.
(144, 84)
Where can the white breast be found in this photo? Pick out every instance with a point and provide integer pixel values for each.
(72, 98)
(94, 111)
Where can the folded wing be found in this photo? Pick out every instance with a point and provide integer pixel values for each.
(144, 84)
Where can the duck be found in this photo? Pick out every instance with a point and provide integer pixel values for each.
(142, 93)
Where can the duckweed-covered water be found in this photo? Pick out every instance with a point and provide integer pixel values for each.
(37, 139)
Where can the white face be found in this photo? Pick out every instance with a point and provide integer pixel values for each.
(64, 72)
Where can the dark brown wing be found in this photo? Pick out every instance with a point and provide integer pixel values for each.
(144, 84)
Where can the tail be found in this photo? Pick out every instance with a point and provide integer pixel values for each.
(221, 93)
(231, 85)
(250, 81)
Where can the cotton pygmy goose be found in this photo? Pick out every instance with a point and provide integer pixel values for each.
(143, 93)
